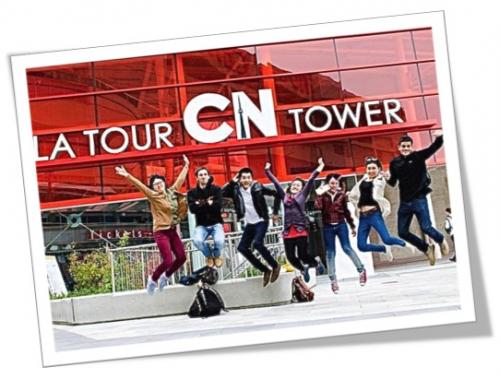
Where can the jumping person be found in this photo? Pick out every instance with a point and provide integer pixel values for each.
(410, 170)
(164, 203)
(332, 201)
(368, 196)
(205, 202)
(448, 227)
(250, 204)
(295, 232)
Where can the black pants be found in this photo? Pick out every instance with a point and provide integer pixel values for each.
(254, 234)
(298, 245)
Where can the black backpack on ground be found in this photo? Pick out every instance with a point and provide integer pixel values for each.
(206, 274)
(300, 291)
(207, 302)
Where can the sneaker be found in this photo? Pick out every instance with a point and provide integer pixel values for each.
(320, 269)
(266, 278)
(388, 253)
(445, 249)
(275, 273)
(431, 255)
(335, 287)
(151, 286)
(362, 278)
(162, 282)
(218, 261)
(453, 258)
(305, 273)
(209, 261)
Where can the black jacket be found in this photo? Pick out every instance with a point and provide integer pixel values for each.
(411, 172)
(206, 215)
(258, 191)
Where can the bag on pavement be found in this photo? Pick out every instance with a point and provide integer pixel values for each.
(300, 291)
(207, 302)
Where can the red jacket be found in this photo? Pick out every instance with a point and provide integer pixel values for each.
(334, 210)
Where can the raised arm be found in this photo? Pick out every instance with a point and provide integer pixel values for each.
(314, 175)
(432, 149)
(182, 175)
(134, 181)
(391, 177)
(274, 180)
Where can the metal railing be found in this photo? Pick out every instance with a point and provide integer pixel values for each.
(130, 266)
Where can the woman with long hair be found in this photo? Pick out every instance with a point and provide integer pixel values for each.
(332, 201)
(164, 203)
(296, 222)
(368, 196)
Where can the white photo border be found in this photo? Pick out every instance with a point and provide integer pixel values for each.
(20, 63)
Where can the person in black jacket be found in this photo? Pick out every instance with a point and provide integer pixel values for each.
(250, 204)
(205, 202)
(410, 170)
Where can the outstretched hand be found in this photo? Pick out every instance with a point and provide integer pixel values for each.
(386, 175)
(186, 160)
(438, 133)
(120, 170)
(321, 164)
(267, 166)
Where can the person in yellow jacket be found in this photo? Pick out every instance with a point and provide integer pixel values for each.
(164, 203)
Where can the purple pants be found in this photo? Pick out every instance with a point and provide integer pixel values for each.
(168, 242)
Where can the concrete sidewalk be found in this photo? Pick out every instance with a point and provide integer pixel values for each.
(393, 291)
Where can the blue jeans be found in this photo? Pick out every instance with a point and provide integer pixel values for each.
(201, 233)
(375, 221)
(254, 234)
(330, 231)
(418, 207)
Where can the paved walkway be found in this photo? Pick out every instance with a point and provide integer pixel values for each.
(393, 291)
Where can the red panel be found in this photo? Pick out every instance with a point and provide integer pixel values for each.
(62, 113)
(428, 76)
(376, 49)
(298, 57)
(219, 64)
(423, 44)
(135, 72)
(308, 88)
(69, 184)
(60, 80)
(381, 81)
(433, 109)
(137, 105)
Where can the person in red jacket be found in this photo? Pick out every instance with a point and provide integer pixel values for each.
(332, 201)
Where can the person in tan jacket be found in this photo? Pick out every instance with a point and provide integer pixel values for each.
(164, 204)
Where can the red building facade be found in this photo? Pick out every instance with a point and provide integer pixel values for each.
(137, 93)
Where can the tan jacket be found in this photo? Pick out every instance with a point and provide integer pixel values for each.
(163, 204)
(378, 195)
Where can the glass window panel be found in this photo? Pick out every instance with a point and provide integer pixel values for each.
(308, 88)
(253, 158)
(135, 72)
(60, 80)
(137, 105)
(374, 49)
(423, 44)
(114, 184)
(69, 184)
(63, 113)
(218, 64)
(428, 76)
(384, 147)
(402, 79)
(298, 57)
(433, 110)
